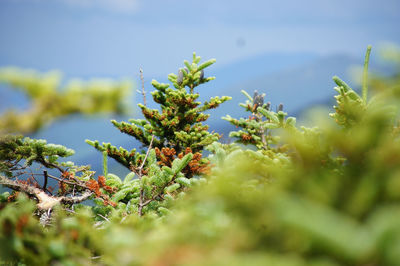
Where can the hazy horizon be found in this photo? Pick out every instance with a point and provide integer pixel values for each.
(117, 37)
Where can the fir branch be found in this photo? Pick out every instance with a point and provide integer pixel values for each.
(76, 199)
(45, 201)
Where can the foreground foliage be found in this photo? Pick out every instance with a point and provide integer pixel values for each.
(328, 195)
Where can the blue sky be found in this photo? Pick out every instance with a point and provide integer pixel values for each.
(116, 37)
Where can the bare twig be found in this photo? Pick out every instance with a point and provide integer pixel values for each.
(15, 166)
(105, 218)
(71, 211)
(141, 197)
(33, 177)
(123, 219)
(143, 91)
(77, 182)
(145, 157)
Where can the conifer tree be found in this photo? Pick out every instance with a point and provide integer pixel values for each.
(177, 127)
(175, 138)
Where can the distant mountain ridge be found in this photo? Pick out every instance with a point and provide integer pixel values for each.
(297, 86)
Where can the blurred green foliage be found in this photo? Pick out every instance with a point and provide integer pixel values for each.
(50, 99)
(335, 200)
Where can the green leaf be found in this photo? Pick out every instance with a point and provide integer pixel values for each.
(206, 64)
(188, 65)
(172, 188)
(168, 170)
(4, 196)
(268, 114)
(270, 125)
(183, 181)
(105, 168)
(341, 83)
(179, 164)
(353, 95)
(163, 210)
(129, 177)
(247, 95)
(121, 194)
(151, 158)
(291, 121)
(113, 177)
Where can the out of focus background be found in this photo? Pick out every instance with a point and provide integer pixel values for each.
(287, 49)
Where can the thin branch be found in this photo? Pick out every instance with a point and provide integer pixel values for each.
(45, 180)
(262, 132)
(105, 218)
(50, 165)
(141, 197)
(140, 209)
(33, 177)
(145, 157)
(76, 199)
(149, 200)
(159, 194)
(71, 211)
(68, 182)
(32, 191)
(123, 219)
(15, 166)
